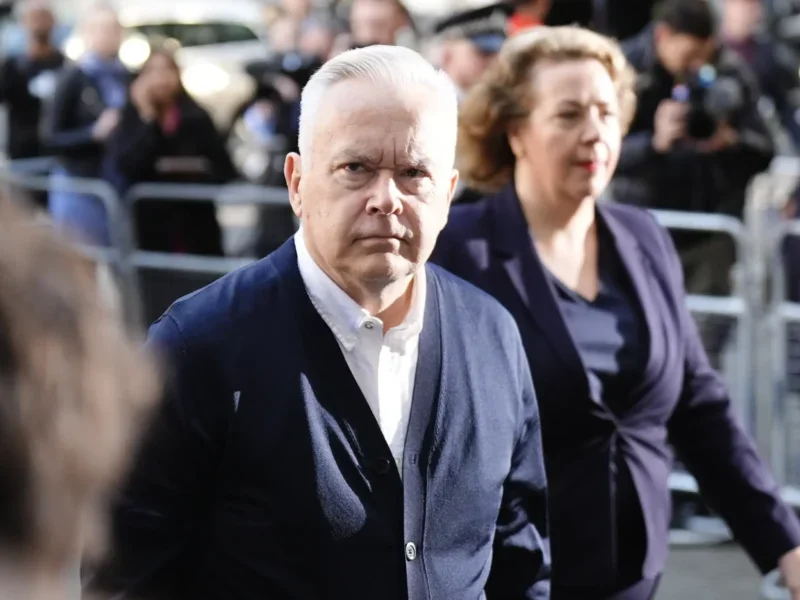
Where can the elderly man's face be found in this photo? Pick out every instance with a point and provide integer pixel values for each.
(379, 186)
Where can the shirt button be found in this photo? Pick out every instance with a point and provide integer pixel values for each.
(411, 551)
(369, 324)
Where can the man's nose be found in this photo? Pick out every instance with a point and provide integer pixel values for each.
(385, 196)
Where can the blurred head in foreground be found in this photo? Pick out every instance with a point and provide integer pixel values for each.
(73, 391)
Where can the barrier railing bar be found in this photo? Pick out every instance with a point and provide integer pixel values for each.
(119, 233)
(703, 222)
(234, 193)
(187, 262)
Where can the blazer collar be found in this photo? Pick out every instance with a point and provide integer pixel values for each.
(512, 241)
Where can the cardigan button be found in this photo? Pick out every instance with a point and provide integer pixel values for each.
(382, 466)
(411, 551)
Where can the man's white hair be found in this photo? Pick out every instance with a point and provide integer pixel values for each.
(396, 66)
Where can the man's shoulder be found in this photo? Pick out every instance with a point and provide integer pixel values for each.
(234, 304)
(461, 298)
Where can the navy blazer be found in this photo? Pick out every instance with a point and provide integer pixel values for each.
(267, 476)
(680, 396)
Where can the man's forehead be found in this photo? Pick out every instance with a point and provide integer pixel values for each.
(381, 149)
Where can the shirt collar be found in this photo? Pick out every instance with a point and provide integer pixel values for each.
(346, 319)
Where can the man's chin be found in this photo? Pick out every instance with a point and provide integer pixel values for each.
(386, 267)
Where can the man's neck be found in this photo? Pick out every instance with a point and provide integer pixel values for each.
(390, 303)
(40, 50)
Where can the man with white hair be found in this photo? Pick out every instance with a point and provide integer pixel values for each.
(344, 421)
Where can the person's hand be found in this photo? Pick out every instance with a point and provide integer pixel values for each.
(724, 137)
(287, 88)
(789, 566)
(669, 124)
(141, 97)
(105, 124)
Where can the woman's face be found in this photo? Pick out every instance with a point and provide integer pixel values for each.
(163, 78)
(569, 145)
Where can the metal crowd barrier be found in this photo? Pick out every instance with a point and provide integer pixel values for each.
(113, 256)
(164, 277)
(737, 308)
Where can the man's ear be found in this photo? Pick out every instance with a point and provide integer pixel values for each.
(292, 171)
(454, 176)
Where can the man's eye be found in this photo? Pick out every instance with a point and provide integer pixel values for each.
(354, 168)
(415, 173)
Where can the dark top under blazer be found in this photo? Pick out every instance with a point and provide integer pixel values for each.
(679, 396)
(268, 477)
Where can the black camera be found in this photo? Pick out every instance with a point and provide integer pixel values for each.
(298, 67)
(712, 99)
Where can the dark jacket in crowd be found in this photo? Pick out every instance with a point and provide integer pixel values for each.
(195, 152)
(775, 66)
(77, 104)
(606, 446)
(685, 178)
(266, 475)
(26, 85)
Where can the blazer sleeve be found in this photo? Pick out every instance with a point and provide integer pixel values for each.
(720, 454)
(521, 564)
(170, 490)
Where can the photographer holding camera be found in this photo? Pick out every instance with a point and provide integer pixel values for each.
(697, 139)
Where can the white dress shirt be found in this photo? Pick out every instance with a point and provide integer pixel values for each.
(384, 366)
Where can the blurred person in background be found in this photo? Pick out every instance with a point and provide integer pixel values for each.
(74, 392)
(597, 293)
(698, 137)
(296, 10)
(468, 43)
(164, 136)
(283, 35)
(85, 111)
(774, 63)
(375, 22)
(527, 14)
(317, 36)
(28, 82)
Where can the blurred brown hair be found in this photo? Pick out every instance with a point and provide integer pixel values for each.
(505, 95)
(74, 389)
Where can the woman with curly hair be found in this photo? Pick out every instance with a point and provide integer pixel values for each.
(597, 293)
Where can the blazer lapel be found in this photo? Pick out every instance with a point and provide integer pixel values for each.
(633, 260)
(512, 241)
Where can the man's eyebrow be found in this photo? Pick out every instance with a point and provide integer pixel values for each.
(354, 156)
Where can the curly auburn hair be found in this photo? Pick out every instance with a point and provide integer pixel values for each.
(505, 95)
(74, 390)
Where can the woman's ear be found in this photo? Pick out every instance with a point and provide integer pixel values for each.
(515, 141)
